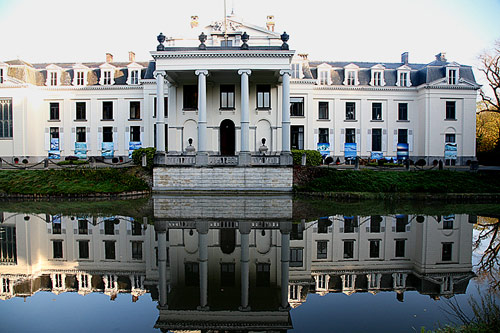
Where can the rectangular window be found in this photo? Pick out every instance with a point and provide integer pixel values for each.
(109, 227)
(402, 135)
(54, 111)
(191, 274)
(8, 247)
(375, 223)
(6, 120)
(350, 223)
(350, 135)
(452, 76)
(57, 249)
(403, 79)
(137, 250)
(296, 257)
(83, 227)
(54, 132)
(376, 139)
(350, 111)
(135, 133)
(402, 111)
(295, 71)
(109, 250)
(135, 110)
(227, 274)
(348, 249)
(297, 106)
(401, 222)
(377, 79)
(374, 248)
(165, 107)
(53, 79)
(226, 43)
(107, 78)
(446, 252)
(263, 96)
(322, 249)
(107, 110)
(107, 134)
(323, 224)
(351, 78)
(263, 275)
(136, 229)
(81, 135)
(81, 111)
(323, 135)
(448, 222)
(323, 77)
(80, 78)
(190, 97)
(449, 138)
(83, 249)
(1, 75)
(400, 248)
(323, 110)
(297, 232)
(134, 77)
(56, 228)
(297, 137)
(376, 111)
(227, 96)
(450, 110)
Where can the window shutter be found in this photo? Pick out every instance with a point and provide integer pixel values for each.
(99, 138)
(395, 140)
(127, 138)
(384, 140)
(88, 139)
(332, 140)
(342, 139)
(142, 136)
(358, 139)
(73, 136)
(369, 140)
(316, 137)
(47, 138)
(115, 138)
(410, 140)
(61, 138)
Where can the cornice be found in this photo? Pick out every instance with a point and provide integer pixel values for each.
(447, 86)
(111, 87)
(221, 54)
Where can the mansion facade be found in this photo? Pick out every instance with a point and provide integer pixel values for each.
(240, 97)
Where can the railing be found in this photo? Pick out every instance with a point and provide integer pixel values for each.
(180, 160)
(223, 160)
(265, 160)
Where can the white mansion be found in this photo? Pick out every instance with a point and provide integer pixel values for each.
(221, 98)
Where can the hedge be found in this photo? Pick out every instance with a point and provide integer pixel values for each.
(313, 157)
(150, 155)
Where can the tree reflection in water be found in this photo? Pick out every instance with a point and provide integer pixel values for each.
(487, 236)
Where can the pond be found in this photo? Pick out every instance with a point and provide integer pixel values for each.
(241, 263)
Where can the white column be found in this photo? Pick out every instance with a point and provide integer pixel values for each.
(162, 267)
(160, 107)
(285, 228)
(245, 264)
(202, 156)
(172, 145)
(202, 228)
(285, 118)
(244, 156)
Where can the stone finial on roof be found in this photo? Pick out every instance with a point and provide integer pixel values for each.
(109, 58)
(161, 40)
(284, 39)
(441, 56)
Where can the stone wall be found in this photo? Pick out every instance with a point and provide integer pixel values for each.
(262, 179)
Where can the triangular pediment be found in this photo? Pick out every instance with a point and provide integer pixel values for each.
(107, 65)
(134, 65)
(453, 64)
(53, 67)
(324, 66)
(404, 68)
(378, 66)
(461, 82)
(351, 66)
(80, 66)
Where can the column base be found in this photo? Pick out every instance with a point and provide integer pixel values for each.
(244, 159)
(202, 308)
(160, 158)
(244, 308)
(286, 158)
(202, 158)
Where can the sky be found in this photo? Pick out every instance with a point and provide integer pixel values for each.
(351, 30)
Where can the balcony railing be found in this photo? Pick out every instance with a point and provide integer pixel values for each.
(222, 160)
(265, 160)
(180, 160)
(218, 160)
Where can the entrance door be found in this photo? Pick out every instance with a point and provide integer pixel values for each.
(226, 138)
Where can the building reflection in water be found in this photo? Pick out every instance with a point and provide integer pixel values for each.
(233, 263)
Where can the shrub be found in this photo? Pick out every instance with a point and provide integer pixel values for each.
(313, 157)
(73, 162)
(150, 155)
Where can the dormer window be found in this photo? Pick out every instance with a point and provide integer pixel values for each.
(134, 73)
(107, 74)
(53, 75)
(403, 77)
(351, 75)
(1, 75)
(80, 76)
(107, 78)
(324, 77)
(296, 71)
(134, 77)
(377, 77)
(452, 73)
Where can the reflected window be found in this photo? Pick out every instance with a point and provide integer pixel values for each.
(375, 222)
(83, 249)
(348, 249)
(109, 250)
(448, 222)
(297, 231)
(109, 227)
(8, 248)
(400, 247)
(136, 229)
(294, 292)
(192, 276)
(446, 251)
(350, 223)
(58, 281)
(227, 275)
(263, 275)
(56, 227)
(83, 228)
(401, 222)
(322, 249)
(296, 257)
(57, 249)
(375, 248)
(137, 250)
(323, 224)
(348, 281)
(321, 282)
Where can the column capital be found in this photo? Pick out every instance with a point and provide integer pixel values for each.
(244, 71)
(285, 72)
(163, 73)
(201, 71)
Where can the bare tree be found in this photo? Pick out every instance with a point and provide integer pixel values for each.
(490, 66)
(488, 228)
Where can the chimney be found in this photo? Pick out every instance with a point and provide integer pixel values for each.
(109, 57)
(270, 22)
(404, 58)
(441, 56)
(194, 21)
(131, 56)
(303, 56)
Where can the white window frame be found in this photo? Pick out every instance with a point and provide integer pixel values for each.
(53, 76)
(296, 70)
(107, 74)
(134, 68)
(78, 70)
(452, 74)
(403, 71)
(377, 76)
(3, 72)
(324, 74)
(351, 75)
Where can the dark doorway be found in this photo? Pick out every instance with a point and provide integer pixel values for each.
(226, 138)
